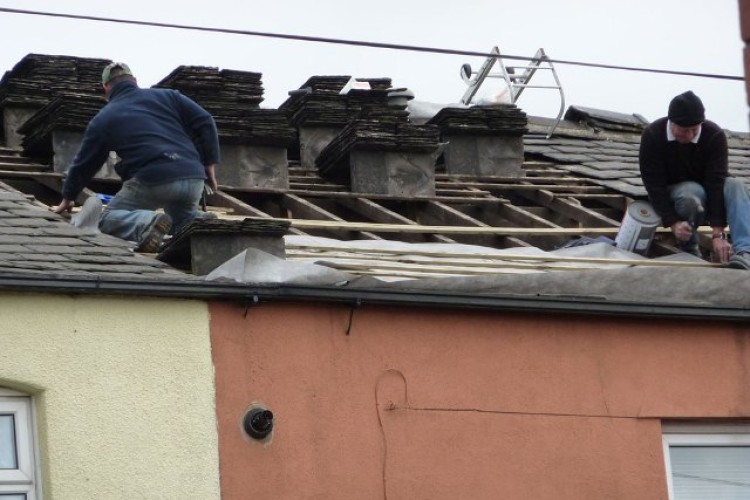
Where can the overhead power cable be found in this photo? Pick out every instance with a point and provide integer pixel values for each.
(360, 43)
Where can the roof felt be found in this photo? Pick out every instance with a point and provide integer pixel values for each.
(654, 286)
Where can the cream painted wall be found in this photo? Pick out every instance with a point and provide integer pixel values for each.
(124, 389)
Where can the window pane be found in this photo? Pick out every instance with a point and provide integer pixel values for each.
(7, 443)
(720, 472)
(12, 496)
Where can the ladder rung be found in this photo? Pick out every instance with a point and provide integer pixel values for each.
(525, 85)
(527, 67)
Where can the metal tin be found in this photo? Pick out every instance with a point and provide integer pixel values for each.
(638, 227)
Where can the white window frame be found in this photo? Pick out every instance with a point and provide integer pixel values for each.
(701, 434)
(22, 480)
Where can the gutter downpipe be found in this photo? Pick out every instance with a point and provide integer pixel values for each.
(208, 290)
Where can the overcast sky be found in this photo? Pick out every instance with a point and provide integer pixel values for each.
(684, 35)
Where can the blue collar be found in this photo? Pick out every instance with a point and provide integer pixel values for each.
(122, 88)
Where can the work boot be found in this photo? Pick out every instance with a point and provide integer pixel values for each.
(740, 260)
(154, 233)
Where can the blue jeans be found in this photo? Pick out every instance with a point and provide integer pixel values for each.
(132, 209)
(736, 201)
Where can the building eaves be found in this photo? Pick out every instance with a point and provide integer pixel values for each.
(493, 294)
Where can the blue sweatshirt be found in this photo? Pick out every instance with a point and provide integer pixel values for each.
(159, 134)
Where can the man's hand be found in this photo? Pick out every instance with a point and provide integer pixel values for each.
(64, 206)
(722, 250)
(682, 230)
(211, 174)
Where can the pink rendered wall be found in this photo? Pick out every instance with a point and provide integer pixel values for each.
(441, 404)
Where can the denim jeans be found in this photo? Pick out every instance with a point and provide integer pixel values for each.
(736, 201)
(132, 209)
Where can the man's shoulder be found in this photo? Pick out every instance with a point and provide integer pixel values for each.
(655, 130)
(712, 127)
(159, 91)
(172, 95)
(657, 125)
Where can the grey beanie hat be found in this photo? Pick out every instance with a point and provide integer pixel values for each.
(686, 110)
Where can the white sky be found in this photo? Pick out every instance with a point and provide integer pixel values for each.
(685, 35)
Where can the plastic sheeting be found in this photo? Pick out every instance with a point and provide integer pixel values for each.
(329, 262)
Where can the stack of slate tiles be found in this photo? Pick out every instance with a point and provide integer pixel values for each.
(374, 135)
(67, 111)
(319, 103)
(599, 119)
(329, 85)
(233, 98)
(214, 89)
(500, 119)
(206, 243)
(37, 79)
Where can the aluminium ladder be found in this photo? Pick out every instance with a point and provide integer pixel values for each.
(516, 83)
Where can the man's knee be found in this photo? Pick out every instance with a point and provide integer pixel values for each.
(734, 187)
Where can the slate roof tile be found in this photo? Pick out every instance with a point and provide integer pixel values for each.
(39, 265)
(623, 187)
(594, 172)
(19, 230)
(12, 269)
(10, 249)
(14, 220)
(58, 230)
(109, 250)
(609, 145)
(614, 159)
(46, 257)
(582, 149)
(108, 268)
(570, 158)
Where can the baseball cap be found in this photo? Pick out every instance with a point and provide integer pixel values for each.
(125, 70)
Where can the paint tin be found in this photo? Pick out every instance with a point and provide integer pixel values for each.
(638, 227)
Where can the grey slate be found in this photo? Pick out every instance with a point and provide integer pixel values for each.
(608, 155)
(37, 241)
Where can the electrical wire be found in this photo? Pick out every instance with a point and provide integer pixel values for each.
(360, 43)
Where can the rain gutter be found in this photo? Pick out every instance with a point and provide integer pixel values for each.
(252, 293)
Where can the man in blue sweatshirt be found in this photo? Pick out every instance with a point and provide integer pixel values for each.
(168, 146)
